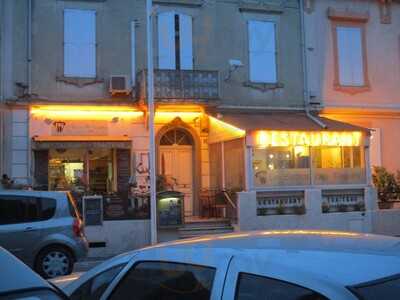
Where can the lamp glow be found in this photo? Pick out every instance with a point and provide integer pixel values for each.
(68, 112)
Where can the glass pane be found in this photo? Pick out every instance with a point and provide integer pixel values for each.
(389, 289)
(254, 287)
(338, 165)
(167, 281)
(67, 169)
(100, 170)
(95, 287)
(48, 208)
(275, 166)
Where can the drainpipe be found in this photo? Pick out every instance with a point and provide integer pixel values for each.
(29, 47)
(306, 93)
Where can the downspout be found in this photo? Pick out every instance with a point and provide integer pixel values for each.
(306, 93)
(29, 48)
(29, 71)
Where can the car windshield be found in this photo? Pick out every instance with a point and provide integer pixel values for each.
(387, 288)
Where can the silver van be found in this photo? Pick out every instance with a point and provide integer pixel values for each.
(43, 229)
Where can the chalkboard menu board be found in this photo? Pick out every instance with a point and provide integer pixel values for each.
(93, 210)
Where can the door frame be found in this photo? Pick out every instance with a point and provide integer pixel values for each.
(177, 123)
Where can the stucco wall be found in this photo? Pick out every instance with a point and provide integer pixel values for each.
(382, 49)
(119, 237)
(219, 34)
(312, 219)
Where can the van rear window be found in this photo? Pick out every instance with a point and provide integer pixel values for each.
(386, 288)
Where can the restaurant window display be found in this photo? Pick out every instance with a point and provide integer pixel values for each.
(97, 171)
(305, 158)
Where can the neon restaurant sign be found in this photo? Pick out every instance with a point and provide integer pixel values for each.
(276, 138)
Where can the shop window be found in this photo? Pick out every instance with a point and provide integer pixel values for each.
(291, 166)
(80, 170)
(281, 166)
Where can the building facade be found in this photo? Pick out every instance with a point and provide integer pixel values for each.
(233, 114)
(353, 51)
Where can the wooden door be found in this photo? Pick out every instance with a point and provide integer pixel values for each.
(176, 164)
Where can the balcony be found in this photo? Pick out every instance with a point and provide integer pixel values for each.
(177, 86)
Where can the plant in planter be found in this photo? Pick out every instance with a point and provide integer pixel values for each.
(325, 207)
(280, 210)
(342, 207)
(386, 185)
(359, 206)
(300, 210)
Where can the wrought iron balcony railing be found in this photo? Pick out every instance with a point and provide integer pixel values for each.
(180, 85)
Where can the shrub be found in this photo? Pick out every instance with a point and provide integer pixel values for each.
(386, 184)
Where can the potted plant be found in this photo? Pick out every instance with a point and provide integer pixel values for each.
(386, 185)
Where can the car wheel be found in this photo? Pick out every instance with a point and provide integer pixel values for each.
(54, 261)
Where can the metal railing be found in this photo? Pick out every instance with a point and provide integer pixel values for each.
(189, 85)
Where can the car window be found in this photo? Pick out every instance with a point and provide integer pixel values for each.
(381, 289)
(95, 287)
(18, 209)
(167, 281)
(47, 208)
(255, 287)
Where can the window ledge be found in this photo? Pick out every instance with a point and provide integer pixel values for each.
(347, 16)
(352, 90)
(260, 7)
(192, 3)
(264, 87)
(79, 81)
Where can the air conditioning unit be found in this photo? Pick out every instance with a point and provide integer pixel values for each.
(119, 84)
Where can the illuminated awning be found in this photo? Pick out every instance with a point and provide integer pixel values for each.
(285, 121)
(87, 142)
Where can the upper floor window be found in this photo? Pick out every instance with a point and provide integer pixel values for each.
(175, 41)
(79, 43)
(350, 56)
(262, 52)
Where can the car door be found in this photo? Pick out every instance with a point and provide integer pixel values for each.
(170, 273)
(19, 225)
(250, 278)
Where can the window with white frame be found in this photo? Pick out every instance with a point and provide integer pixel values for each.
(262, 52)
(350, 54)
(79, 43)
(175, 41)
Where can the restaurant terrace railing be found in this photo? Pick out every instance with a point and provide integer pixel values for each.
(180, 86)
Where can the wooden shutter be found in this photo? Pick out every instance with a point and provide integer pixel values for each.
(350, 56)
(41, 172)
(186, 42)
(123, 170)
(79, 43)
(262, 52)
(166, 41)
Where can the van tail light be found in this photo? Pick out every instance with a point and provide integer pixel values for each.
(77, 228)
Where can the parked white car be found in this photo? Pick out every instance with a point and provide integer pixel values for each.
(18, 281)
(293, 264)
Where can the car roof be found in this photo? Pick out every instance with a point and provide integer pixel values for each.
(15, 275)
(346, 258)
(51, 194)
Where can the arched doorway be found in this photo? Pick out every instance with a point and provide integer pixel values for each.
(176, 148)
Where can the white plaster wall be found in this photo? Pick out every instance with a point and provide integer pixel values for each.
(20, 146)
(313, 219)
(119, 236)
(386, 221)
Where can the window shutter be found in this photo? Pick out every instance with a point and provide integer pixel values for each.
(262, 52)
(350, 56)
(79, 43)
(166, 41)
(41, 172)
(186, 42)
